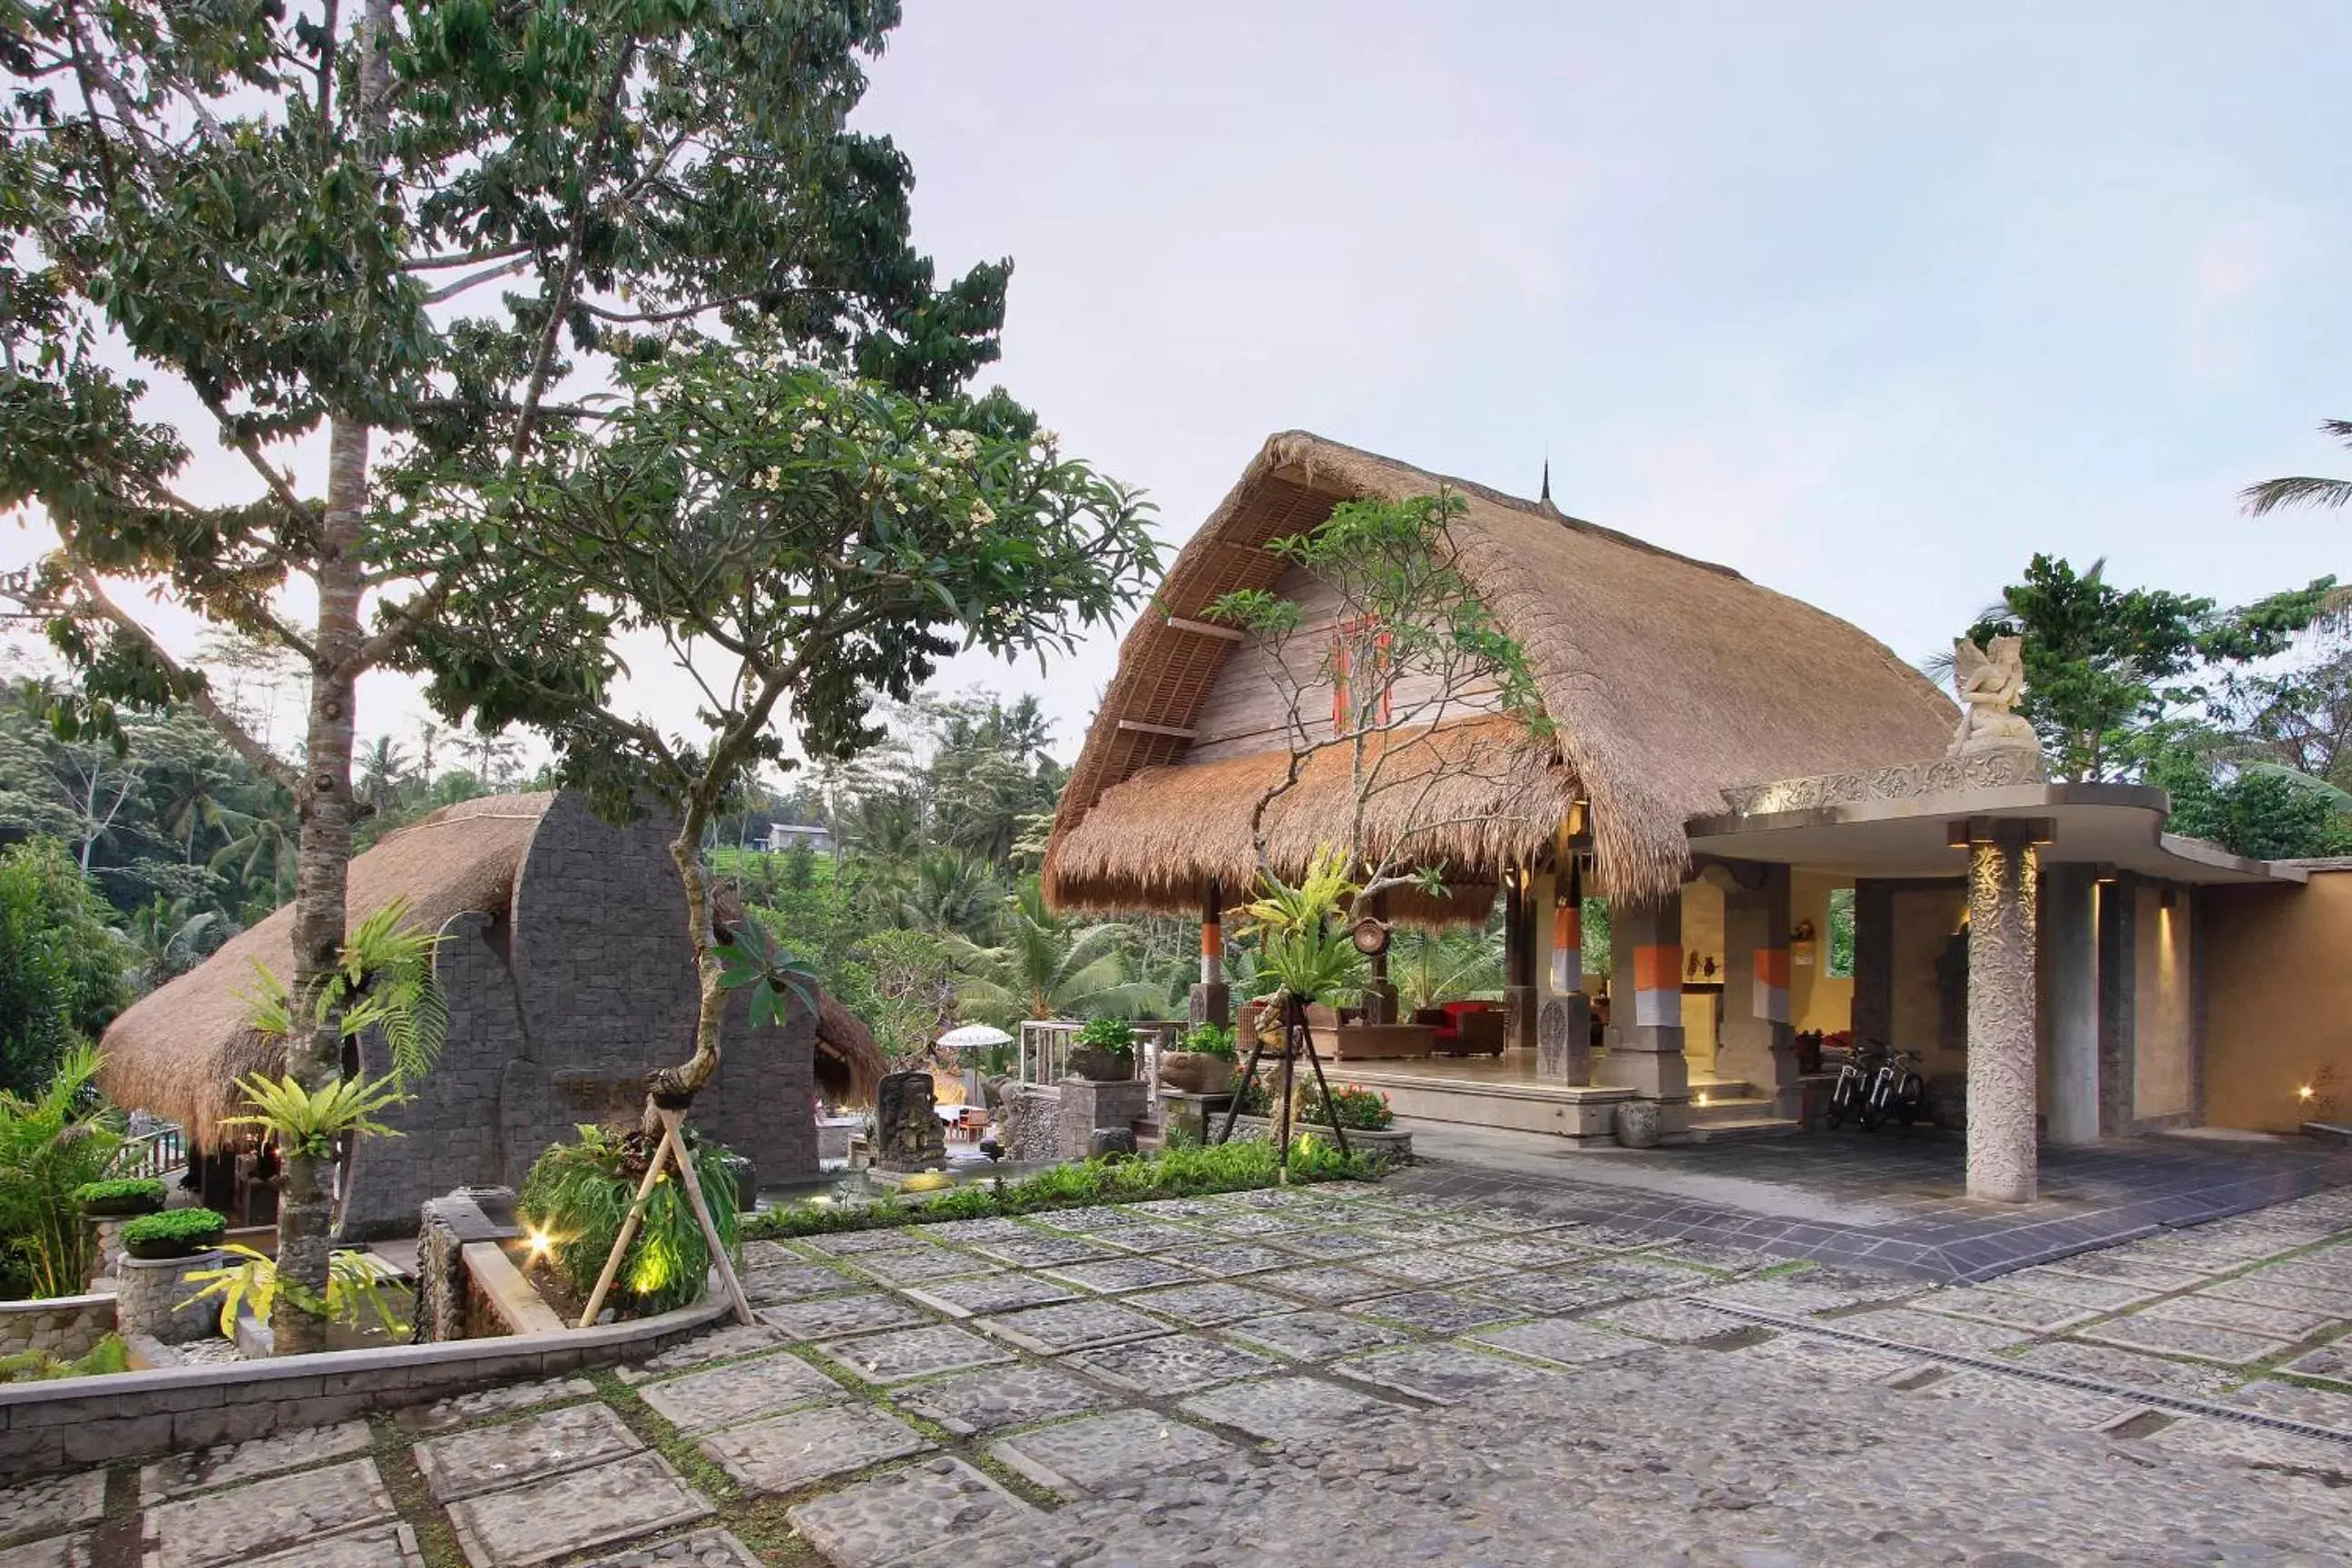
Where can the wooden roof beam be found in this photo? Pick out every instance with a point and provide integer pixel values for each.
(1230, 633)
(1137, 727)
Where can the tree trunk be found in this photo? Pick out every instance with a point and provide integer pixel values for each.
(314, 1054)
(686, 1079)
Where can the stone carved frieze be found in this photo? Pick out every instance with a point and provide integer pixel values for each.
(1993, 769)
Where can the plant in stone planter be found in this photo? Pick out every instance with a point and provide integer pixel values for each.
(175, 1232)
(121, 1197)
(578, 1197)
(1203, 1062)
(1104, 1052)
(1366, 1109)
(352, 1284)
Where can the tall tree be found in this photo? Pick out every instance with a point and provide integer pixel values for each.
(2272, 494)
(295, 216)
(2103, 663)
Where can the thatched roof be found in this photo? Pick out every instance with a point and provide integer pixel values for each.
(1669, 680)
(850, 1063)
(178, 1051)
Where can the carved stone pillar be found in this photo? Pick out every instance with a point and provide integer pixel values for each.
(1211, 1000)
(2003, 914)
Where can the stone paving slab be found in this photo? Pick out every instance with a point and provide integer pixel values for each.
(1238, 1258)
(1722, 1257)
(794, 1281)
(1205, 1306)
(51, 1504)
(1639, 1277)
(965, 1232)
(1289, 1409)
(848, 1243)
(442, 1416)
(1152, 1237)
(1431, 1265)
(2035, 1314)
(1562, 1341)
(836, 1317)
(913, 1265)
(1078, 1458)
(1784, 1294)
(1427, 1231)
(2128, 1369)
(2262, 1447)
(376, 1546)
(904, 1353)
(723, 1344)
(2049, 1283)
(1555, 1294)
(2130, 1270)
(1436, 1311)
(1332, 1284)
(2288, 1323)
(1271, 1198)
(1180, 1208)
(1315, 1335)
(785, 1453)
(1443, 1375)
(1334, 1245)
(702, 1549)
(1927, 1330)
(2171, 1336)
(741, 1391)
(2333, 1362)
(577, 1511)
(265, 1516)
(488, 1459)
(2329, 1407)
(1005, 1291)
(1172, 1364)
(2316, 1299)
(1115, 1275)
(1838, 1358)
(1525, 1251)
(2075, 1408)
(1241, 1225)
(58, 1552)
(1000, 1397)
(889, 1518)
(220, 1467)
(2327, 1271)
(1071, 1326)
(1039, 1250)
(1085, 1221)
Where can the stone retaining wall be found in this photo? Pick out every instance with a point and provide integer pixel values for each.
(51, 1426)
(64, 1326)
(1389, 1145)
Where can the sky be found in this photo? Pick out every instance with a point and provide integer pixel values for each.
(1868, 302)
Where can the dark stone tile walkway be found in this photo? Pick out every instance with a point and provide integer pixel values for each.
(1896, 1200)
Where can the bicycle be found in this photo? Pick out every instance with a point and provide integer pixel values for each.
(1850, 1096)
(1895, 1087)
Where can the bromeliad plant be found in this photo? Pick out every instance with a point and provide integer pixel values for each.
(352, 1284)
(309, 1121)
(1301, 951)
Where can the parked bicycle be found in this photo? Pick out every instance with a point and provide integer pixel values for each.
(1857, 1075)
(1896, 1089)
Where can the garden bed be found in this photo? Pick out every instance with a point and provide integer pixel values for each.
(1383, 1145)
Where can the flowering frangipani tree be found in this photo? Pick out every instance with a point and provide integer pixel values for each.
(801, 544)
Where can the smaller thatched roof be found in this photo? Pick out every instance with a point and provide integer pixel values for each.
(1477, 792)
(849, 1063)
(179, 1050)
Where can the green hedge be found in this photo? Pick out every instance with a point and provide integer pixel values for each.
(1174, 1173)
(190, 1227)
(119, 1190)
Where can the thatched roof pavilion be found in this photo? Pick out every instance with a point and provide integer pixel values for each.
(1669, 680)
(564, 963)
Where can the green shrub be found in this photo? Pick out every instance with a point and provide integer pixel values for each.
(1366, 1109)
(120, 1195)
(1111, 1034)
(190, 1230)
(108, 1356)
(1211, 1040)
(50, 1146)
(578, 1197)
(60, 967)
(1173, 1173)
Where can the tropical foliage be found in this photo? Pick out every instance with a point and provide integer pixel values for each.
(52, 1144)
(356, 1291)
(60, 966)
(308, 1120)
(577, 1197)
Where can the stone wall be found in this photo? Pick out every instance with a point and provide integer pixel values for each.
(2276, 1012)
(64, 1326)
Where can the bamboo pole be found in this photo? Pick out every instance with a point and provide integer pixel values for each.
(673, 1122)
(628, 1229)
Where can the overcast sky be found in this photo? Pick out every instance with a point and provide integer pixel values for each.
(1869, 302)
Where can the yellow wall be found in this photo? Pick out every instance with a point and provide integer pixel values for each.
(2162, 1006)
(1925, 920)
(2278, 1002)
(1816, 1001)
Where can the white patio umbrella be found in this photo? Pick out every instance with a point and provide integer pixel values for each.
(974, 1037)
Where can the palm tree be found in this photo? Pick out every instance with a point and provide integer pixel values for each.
(1050, 967)
(953, 895)
(167, 939)
(2271, 494)
(382, 770)
(262, 850)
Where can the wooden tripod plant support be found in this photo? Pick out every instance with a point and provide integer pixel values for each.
(672, 1147)
(1298, 1040)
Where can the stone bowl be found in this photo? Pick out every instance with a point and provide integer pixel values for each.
(1100, 1064)
(1195, 1072)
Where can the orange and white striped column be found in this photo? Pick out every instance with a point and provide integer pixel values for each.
(1646, 1052)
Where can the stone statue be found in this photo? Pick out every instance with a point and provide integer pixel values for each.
(1989, 681)
(907, 1132)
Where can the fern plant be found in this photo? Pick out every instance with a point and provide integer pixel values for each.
(309, 1121)
(384, 980)
(352, 1285)
(578, 1196)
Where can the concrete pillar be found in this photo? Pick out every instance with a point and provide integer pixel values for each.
(2070, 936)
(1758, 1041)
(1519, 961)
(1646, 1016)
(2118, 916)
(2002, 896)
(1211, 1000)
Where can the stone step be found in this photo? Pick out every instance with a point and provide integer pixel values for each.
(1727, 1108)
(1745, 1126)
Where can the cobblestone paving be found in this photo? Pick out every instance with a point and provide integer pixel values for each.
(1373, 1376)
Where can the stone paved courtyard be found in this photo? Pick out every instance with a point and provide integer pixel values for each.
(1361, 1375)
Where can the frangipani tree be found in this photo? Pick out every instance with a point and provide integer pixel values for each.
(801, 545)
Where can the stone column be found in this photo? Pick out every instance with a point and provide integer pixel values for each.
(1646, 1014)
(1564, 1027)
(1758, 1041)
(1874, 960)
(1519, 961)
(2002, 895)
(2070, 934)
(1211, 1000)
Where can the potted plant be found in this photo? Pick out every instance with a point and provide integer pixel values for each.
(1104, 1052)
(120, 1198)
(1203, 1061)
(175, 1232)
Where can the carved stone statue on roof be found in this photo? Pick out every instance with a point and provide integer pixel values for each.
(1989, 681)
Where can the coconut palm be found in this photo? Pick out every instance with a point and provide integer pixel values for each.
(167, 939)
(953, 894)
(1050, 967)
(1430, 967)
(383, 768)
(2306, 490)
